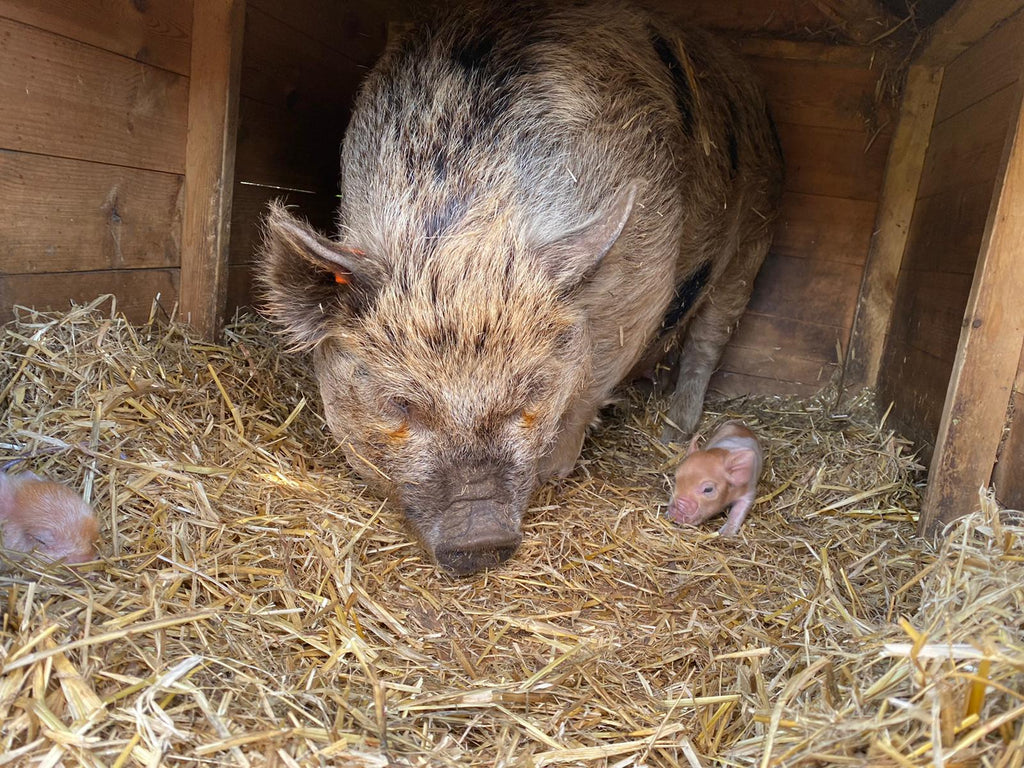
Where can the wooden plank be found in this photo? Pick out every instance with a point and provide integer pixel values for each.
(823, 292)
(961, 27)
(932, 312)
(835, 163)
(776, 364)
(989, 352)
(68, 99)
(895, 209)
(796, 338)
(135, 290)
(765, 17)
(983, 69)
(731, 384)
(290, 70)
(856, 56)
(275, 149)
(825, 228)
(1008, 476)
(946, 231)
(914, 384)
(243, 292)
(966, 148)
(156, 32)
(815, 94)
(355, 30)
(69, 215)
(210, 161)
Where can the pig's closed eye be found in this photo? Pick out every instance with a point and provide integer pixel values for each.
(43, 538)
(707, 489)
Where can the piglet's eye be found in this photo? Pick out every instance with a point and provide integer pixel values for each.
(399, 407)
(708, 489)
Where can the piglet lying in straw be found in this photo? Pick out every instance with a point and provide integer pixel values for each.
(44, 517)
(725, 473)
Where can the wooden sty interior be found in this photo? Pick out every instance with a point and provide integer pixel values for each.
(140, 141)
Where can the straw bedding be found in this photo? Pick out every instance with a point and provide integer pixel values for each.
(254, 607)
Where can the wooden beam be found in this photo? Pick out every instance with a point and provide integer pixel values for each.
(216, 65)
(961, 26)
(895, 210)
(989, 352)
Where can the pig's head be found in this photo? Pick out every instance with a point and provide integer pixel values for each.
(445, 366)
(705, 481)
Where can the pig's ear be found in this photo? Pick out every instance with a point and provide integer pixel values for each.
(574, 258)
(309, 281)
(693, 445)
(739, 466)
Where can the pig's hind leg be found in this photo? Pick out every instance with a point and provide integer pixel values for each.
(737, 514)
(708, 332)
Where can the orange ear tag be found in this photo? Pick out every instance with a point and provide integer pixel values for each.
(340, 279)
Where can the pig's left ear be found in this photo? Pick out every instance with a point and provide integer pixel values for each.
(574, 258)
(739, 466)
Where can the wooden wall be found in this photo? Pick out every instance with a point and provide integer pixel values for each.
(835, 136)
(1008, 477)
(300, 72)
(977, 100)
(98, 193)
(93, 135)
(92, 148)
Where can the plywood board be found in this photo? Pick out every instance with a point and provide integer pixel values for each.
(210, 162)
(156, 32)
(69, 215)
(932, 312)
(65, 98)
(135, 290)
(732, 384)
(767, 16)
(357, 31)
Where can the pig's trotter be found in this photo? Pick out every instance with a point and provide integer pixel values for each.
(737, 515)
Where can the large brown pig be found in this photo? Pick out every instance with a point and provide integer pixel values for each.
(536, 198)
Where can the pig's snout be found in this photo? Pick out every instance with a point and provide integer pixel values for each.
(684, 511)
(478, 531)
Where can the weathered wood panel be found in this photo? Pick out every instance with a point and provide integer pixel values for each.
(778, 17)
(809, 291)
(251, 201)
(70, 215)
(135, 290)
(983, 69)
(64, 98)
(961, 27)
(1008, 477)
(825, 161)
(156, 32)
(210, 162)
(986, 363)
(824, 228)
(889, 237)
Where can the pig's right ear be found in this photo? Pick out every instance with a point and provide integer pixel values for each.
(574, 258)
(310, 282)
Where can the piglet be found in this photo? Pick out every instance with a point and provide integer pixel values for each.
(47, 518)
(725, 473)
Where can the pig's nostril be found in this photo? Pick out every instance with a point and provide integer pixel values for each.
(463, 562)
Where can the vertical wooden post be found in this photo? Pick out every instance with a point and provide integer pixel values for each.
(990, 345)
(217, 31)
(892, 225)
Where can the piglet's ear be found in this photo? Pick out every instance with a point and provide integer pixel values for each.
(693, 445)
(311, 282)
(739, 466)
(574, 258)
